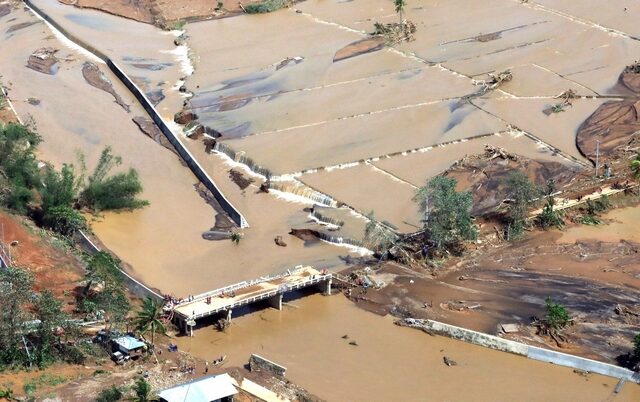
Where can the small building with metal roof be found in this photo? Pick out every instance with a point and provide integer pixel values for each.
(214, 388)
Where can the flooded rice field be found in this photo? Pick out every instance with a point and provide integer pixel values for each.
(162, 243)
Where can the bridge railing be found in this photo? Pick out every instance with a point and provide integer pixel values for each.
(282, 288)
(244, 284)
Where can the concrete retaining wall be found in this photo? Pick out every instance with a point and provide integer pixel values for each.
(259, 363)
(184, 153)
(531, 352)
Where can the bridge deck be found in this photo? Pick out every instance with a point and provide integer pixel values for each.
(248, 292)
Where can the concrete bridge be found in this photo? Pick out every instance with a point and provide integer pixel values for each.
(271, 289)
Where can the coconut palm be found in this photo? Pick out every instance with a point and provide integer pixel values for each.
(400, 5)
(635, 166)
(149, 318)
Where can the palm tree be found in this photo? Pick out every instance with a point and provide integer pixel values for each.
(635, 166)
(149, 318)
(142, 390)
(400, 4)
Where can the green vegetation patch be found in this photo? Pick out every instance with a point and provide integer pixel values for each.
(266, 6)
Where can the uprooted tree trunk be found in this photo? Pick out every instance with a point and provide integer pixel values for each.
(544, 328)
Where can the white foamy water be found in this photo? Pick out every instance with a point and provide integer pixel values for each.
(181, 54)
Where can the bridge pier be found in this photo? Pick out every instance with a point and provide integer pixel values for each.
(276, 301)
(325, 287)
(229, 315)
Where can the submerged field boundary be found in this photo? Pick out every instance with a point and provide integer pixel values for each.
(182, 151)
(521, 349)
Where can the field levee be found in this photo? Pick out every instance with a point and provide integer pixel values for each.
(184, 153)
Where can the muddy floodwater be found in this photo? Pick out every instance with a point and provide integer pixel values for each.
(278, 90)
(389, 362)
(621, 225)
(162, 243)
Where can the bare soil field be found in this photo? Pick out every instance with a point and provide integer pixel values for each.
(163, 13)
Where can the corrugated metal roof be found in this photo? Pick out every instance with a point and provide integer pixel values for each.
(204, 390)
(129, 342)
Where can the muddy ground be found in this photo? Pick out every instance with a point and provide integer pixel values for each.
(164, 13)
(598, 281)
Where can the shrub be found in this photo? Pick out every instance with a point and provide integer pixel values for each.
(64, 220)
(19, 174)
(111, 394)
(266, 6)
(118, 191)
(557, 315)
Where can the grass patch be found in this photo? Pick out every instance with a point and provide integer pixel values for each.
(266, 6)
(176, 25)
(45, 380)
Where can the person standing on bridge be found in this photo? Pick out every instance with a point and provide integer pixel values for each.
(206, 367)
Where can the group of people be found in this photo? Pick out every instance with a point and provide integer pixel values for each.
(215, 362)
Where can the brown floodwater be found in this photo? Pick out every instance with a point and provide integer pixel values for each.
(389, 362)
(145, 52)
(163, 242)
(621, 224)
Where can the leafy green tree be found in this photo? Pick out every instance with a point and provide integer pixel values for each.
(448, 220)
(557, 315)
(142, 390)
(550, 217)
(148, 319)
(115, 303)
(59, 188)
(64, 220)
(15, 295)
(400, 5)
(48, 311)
(634, 165)
(19, 174)
(104, 269)
(118, 191)
(521, 191)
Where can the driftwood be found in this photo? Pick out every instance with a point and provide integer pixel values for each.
(278, 240)
(449, 362)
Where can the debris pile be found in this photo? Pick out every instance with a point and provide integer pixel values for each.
(43, 60)
(491, 152)
(493, 82)
(395, 32)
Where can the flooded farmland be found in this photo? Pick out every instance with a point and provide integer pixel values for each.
(289, 99)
